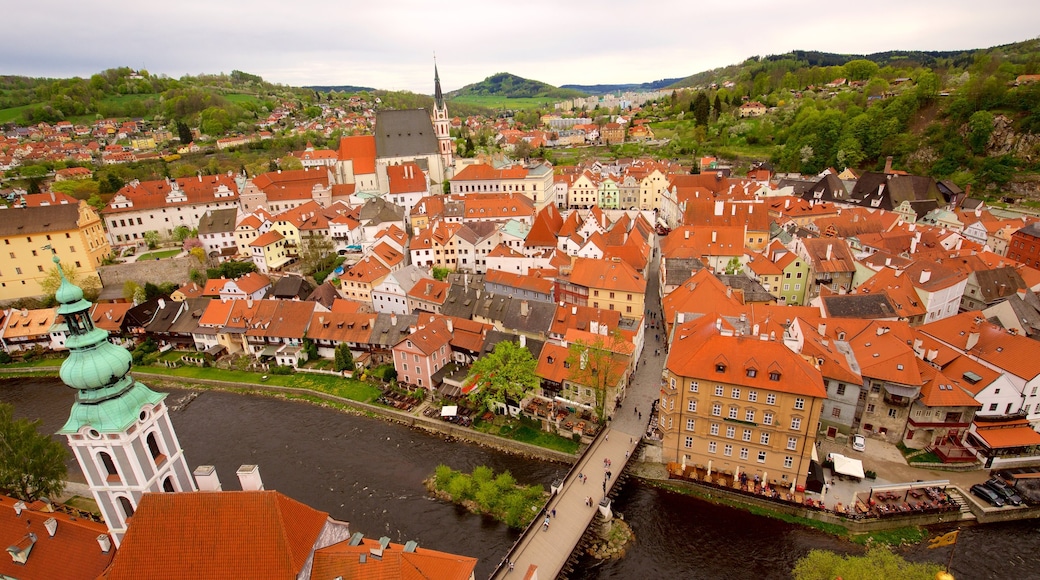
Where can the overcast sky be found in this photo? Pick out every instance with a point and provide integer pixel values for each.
(390, 44)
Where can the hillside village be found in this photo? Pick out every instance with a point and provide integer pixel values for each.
(795, 308)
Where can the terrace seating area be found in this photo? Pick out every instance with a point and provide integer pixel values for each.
(399, 401)
(580, 422)
(911, 500)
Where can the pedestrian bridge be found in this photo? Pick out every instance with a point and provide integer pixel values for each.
(541, 553)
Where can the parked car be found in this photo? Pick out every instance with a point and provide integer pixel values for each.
(987, 494)
(1005, 491)
(859, 443)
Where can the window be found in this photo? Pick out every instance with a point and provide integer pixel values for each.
(689, 442)
(774, 376)
(718, 390)
(128, 508)
(763, 439)
(733, 412)
(796, 423)
(841, 389)
(870, 407)
(771, 399)
(787, 286)
(716, 409)
(720, 368)
(788, 462)
(714, 429)
(691, 406)
(752, 373)
(727, 450)
(893, 413)
(690, 424)
(761, 456)
(712, 446)
(671, 382)
(767, 418)
(792, 443)
(799, 403)
(153, 449)
(743, 452)
(693, 387)
(731, 432)
(875, 389)
(110, 467)
(746, 435)
(752, 396)
(735, 393)
(836, 412)
(993, 407)
(749, 415)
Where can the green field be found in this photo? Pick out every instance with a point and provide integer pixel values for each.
(239, 98)
(12, 115)
(498, 102)
(159, 255)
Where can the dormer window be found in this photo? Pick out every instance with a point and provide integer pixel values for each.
(774, 376)
(720, 368)
(751, 373)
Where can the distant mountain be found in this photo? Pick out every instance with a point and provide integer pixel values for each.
(512, 87)
(605, 89)
(339, 89)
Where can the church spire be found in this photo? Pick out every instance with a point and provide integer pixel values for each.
(438, 96)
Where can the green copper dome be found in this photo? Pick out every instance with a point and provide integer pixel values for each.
(69, 296)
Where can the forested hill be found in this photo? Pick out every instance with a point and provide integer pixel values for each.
(511, 86)
(614, 88)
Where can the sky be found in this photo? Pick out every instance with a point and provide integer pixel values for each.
(391, 44)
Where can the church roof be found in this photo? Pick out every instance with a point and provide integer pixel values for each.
(404, 133)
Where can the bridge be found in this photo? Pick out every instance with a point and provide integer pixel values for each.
(540, 553)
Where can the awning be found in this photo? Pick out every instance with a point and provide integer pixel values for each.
(270, 350)
(908, 392)
(449, 410)
(847, 466)
(815, 480)
(215, 349)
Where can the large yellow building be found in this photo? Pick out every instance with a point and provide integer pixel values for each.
(608, 284)
(745, 403)
(33, 234)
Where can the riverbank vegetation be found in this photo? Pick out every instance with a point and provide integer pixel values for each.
(483, 492)
(878, 562)
(526, 430)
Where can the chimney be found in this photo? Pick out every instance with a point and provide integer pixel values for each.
(162, 303)
(822, 329)
(105, 542)
(720, 207)
(574, 310)
(206, 478)
(913, 245)
(973, 339)
(18, 507)
(925, 275)
(754, 330)
(787, 204)
(686, 234)
(523, 341)
(393, 319)
(249, 477)
(525, 308)
(451, 326)
(52, 526)
(888, 164)
(830, 247)
(959, 242)
(888, 261)
(729, 292)
(714, 236)
(718, 323)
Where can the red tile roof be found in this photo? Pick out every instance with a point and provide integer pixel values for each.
(224, 534)
(362, 150)
(342, 560)
(71, 554)
(152, 194)
(613, 275)
(1017, 433)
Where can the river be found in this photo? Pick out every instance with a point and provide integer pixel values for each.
(369, 472)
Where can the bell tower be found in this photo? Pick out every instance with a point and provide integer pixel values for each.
(442, 124)
(119, 430)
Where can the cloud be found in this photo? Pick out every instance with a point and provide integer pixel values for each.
(391, 44)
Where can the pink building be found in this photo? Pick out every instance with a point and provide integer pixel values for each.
(423, 353)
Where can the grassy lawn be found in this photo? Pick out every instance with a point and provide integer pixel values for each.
(928, 457)
(499, 102)
(14, 114)
(332, 385)
(160, 254)
(896, 537)
(526, 431)
(40, 362)
(242, 98)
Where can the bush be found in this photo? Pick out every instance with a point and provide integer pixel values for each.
(281, 370)
(4, 357)
(870, 474)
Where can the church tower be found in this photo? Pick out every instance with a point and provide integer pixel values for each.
(441, 124)
(119, 429)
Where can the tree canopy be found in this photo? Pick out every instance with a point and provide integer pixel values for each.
(595, 364)
(32, 465)
(508, 372)
(879, 562)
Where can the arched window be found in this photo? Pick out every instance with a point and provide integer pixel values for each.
(153, 448)
(128, 509)
(110, 467)
(167, 485)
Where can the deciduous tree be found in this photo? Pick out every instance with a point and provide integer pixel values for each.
(508, 372)
(32, 465)
(879, 562)
(598, 364)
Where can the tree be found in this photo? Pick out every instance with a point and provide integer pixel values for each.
(343, 358)
(598, 364)
(317, 253)
(879, 562)
(290, 163)
(32, 465)
(508, 372)
(181, 233)
(701, 109)
(716, 109)
(151, 237)
(184, 133)
(440, 273)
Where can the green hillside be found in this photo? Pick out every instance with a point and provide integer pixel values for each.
(513, 87)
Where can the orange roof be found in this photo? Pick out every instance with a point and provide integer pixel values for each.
(361, 149)
(152, 194)
(612, 275)
(430, 337)
(701, 293)
(699, 350)
(110, 316)
(551, 361)
(340, 326)
(545, 227)
(1014, 354)
(367, 270)
(497, 206)
(941, 391)
(29, 323)
(345, 561)
(480, 172)
(252, 282)
(532, 283)
(899, 288)
(406, 178)
(1017, 433)
(433, 291)
(221, 534)
(699, 242)
(74, 540)
(267, 239)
